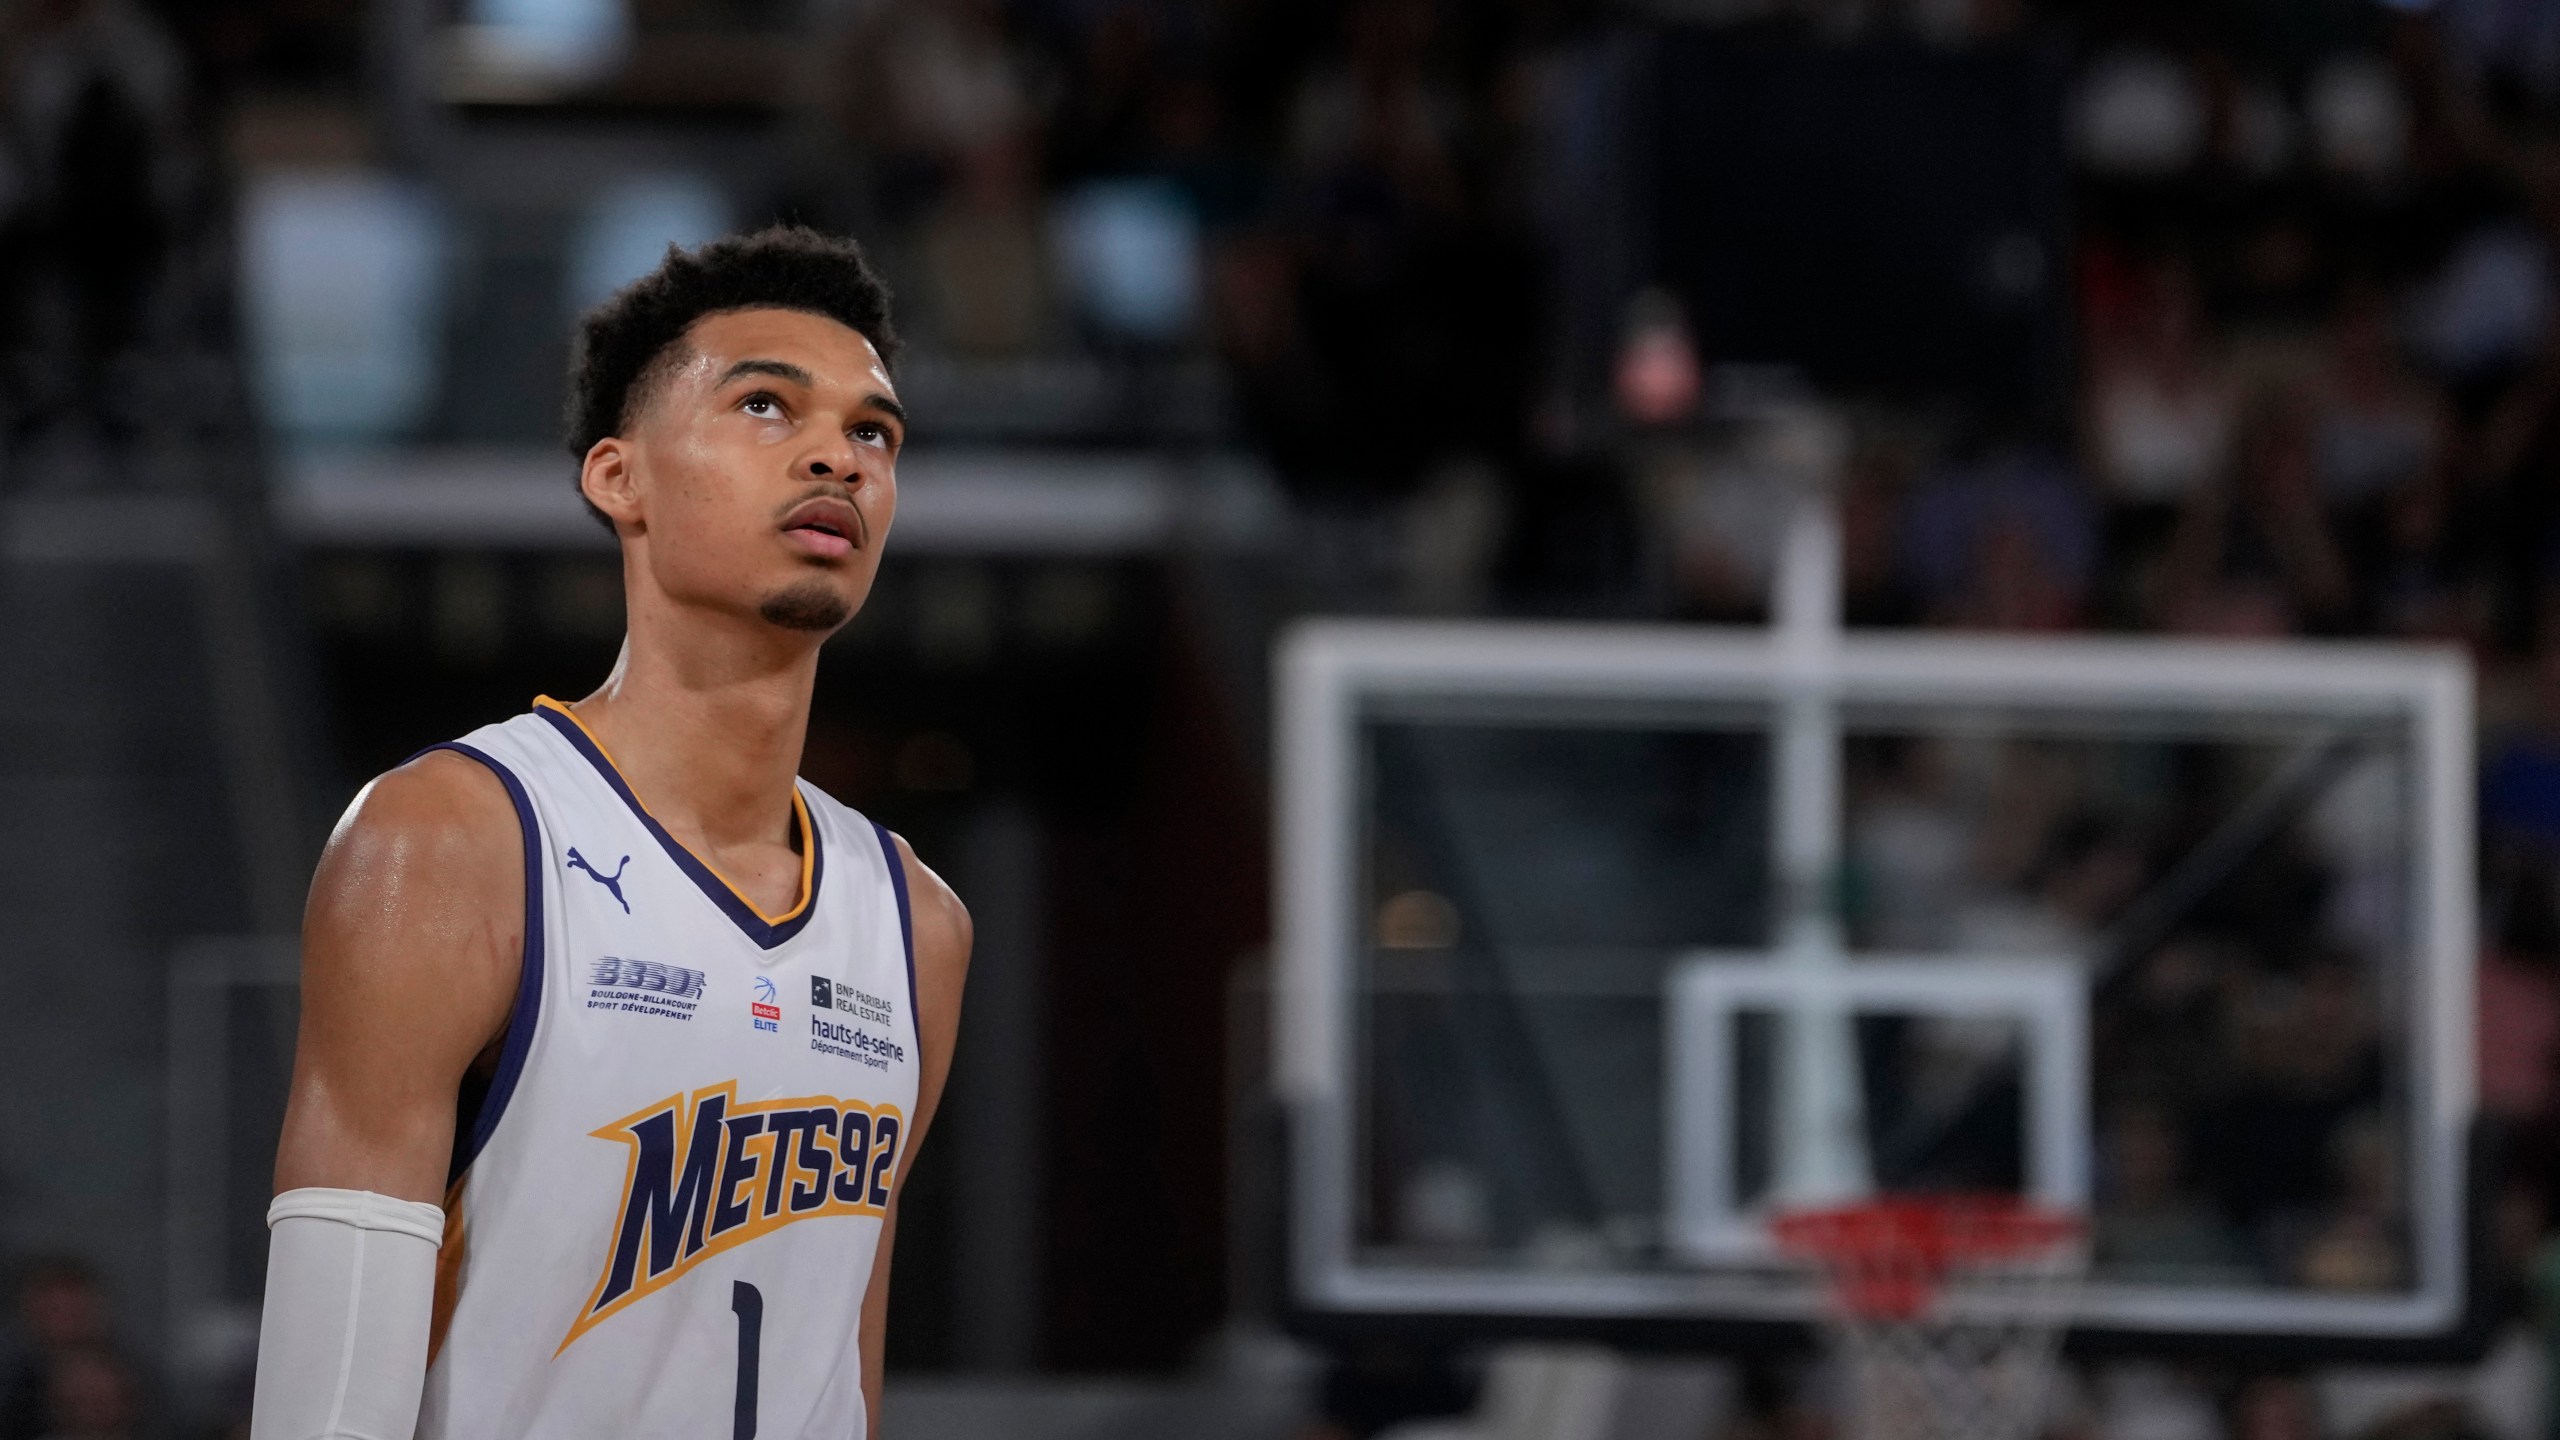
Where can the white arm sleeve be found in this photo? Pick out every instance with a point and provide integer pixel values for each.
(342, 1345)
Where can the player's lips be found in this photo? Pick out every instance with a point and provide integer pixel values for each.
(825, 527)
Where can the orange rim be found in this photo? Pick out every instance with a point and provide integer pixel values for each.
(1888, 1258)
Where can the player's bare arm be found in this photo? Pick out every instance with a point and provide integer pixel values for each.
(411, 948)
(943, 940)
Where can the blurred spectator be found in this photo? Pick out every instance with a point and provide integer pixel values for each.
(97, 98)
(2159, 409)
(2275, 1407)
(927, 84)
(1450, 531)
(2361, 1245)
(2519, 44)
(983, 254)
(2162, 1049)
(1104, 119)
(91, 1396)
(1378, 117)
(2497, 1397)
(2261, 555)
(2058, 905)
(2482, 314)
(2140, 113)
(1722, 518)
(2150, 1226)
(2423, 580)
(1656, 381)
(2355, 833)
(1569, 538)
(1983, 849)
(2358, 121)
(1280, 384)
(1906, 844)
(2377, 428)
(2285, 1146)
(2519, 1030)
(62, 1312)
(1187, 145)
(2520, 781)
(2151, 1401)
(2004, 543)
(2517, 498)
(2383, 437)
(1873, 496)
(1416, 295)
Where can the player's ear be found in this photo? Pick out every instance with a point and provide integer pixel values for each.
(609, 482)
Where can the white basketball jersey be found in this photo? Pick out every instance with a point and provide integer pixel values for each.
(665, 1206)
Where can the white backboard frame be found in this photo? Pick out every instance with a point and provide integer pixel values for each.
(1703, 1217)
(1329, 672)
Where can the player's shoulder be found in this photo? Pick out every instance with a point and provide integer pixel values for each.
(438, 811)
(935, 904)
(437, 790)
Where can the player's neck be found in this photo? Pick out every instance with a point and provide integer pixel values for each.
(707, 728)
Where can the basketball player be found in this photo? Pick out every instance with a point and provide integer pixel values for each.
(617, 1039)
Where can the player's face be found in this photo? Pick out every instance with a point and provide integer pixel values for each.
(764, 476)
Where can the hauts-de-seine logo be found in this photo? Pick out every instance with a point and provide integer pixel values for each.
(643, 987)
(767, 1013)
(849, 1039)
(708, 1174)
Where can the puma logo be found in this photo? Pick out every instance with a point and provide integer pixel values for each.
(612, 882)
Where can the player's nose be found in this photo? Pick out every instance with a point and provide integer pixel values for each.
(828, 458)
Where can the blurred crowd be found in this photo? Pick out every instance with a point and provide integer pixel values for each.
(2310, 283)
(2246, 1091)
(2308, 272)
(1337, 202)
(105, 196)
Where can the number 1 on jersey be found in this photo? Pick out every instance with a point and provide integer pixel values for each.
(748, 1303)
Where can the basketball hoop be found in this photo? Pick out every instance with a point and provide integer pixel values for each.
(1945, 1312)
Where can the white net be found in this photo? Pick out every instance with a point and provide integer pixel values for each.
(1946, 1319)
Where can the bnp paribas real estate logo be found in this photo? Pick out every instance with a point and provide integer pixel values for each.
(852, 1000)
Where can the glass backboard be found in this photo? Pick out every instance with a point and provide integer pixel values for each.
(1542, 966)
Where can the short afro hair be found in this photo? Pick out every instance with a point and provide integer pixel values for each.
(785, 267)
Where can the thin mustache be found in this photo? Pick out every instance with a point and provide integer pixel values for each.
(832, 490)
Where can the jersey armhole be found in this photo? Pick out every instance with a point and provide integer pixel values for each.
(478, 1110)
(906, 922)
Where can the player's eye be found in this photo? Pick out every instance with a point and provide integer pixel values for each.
(872, 432)
(764, 405)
